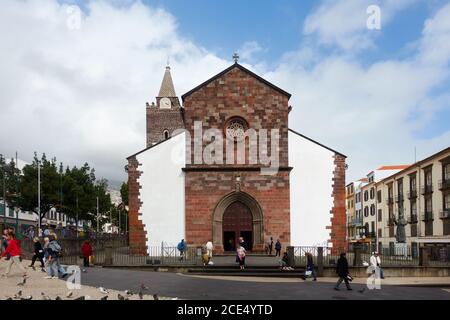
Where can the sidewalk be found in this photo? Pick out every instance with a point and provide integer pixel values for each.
(36, 285)
(389, 281)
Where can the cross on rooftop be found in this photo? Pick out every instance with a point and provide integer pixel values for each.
(235, 57)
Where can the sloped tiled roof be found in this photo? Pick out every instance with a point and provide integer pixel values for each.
(395, 167)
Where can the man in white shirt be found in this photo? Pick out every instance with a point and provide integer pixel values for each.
(209, 247)
(375, 263)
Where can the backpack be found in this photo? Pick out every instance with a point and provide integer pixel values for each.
(181, 246)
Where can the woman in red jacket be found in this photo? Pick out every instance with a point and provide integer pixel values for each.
(14, 252)
(86, 250)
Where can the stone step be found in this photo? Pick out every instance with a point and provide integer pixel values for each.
(244, 273)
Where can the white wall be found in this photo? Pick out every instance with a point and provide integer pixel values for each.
(311, 191)
(162, 191)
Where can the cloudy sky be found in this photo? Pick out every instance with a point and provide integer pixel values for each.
(76, 88)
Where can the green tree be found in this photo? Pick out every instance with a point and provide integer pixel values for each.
(124, 193)
(27, 199)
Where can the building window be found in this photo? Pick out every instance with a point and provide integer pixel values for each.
(446, 172)
(372, 193)
(372, 209)
(11, 212)
(366, 211)
(413, 183)
(428, 178)
(447, 202)
(235, 128)
(380, 215)
(413, 208)
(166, 134)
(428, 205)
(366, 195)
(379, 196)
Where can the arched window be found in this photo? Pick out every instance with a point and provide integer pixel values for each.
(366, 195)
(372, 210)
(166, 134)
(366, 211)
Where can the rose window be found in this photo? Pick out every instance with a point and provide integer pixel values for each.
(235, 129)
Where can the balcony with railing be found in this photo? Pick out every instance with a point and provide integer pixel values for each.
(412, 219)
(444, 214)
(426, 189)
(399, 197)
(444, 184)
(412, 194)
(427, 216)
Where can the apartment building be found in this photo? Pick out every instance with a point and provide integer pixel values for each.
(421, 194)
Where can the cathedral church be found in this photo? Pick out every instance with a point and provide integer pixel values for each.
(197, 178)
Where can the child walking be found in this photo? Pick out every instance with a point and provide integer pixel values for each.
(14, 251)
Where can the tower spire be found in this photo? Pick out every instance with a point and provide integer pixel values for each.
(167, 89)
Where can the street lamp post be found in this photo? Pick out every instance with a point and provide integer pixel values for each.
(39, 197)
(4, 196)
(97, 217)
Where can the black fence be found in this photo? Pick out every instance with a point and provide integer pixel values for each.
(399, 255)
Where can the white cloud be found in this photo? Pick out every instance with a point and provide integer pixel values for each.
(342, 23)
(365, 111)
(248, 50)
(80, 94)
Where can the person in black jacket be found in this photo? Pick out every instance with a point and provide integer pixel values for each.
(342, 271)
(38, 254)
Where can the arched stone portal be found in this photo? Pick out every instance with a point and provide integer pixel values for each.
(239, 201)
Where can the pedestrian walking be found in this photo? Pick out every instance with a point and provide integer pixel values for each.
(241, 256)
(182, 248)
(38, 254)
(310, 271)
(55, 253)
(278, 248)
(342, 271)
(14, 251)
(209, 248)
(375, 263)
(86, 250)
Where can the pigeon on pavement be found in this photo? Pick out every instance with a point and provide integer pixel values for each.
(104, 298)
(120, 297)
(144, 287)
(155, 297)
(23, 282)
(18, 295)
(80, 298)
(103, 290)
(44, 297)
(129, 292)
(69, 294)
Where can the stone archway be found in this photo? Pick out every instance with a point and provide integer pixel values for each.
(257, 218)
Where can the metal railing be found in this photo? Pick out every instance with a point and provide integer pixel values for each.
(444, 184)
(412, 194)
(444, 214)
(426, 189)
(426, 216)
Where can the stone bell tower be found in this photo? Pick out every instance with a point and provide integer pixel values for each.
(166, 115)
